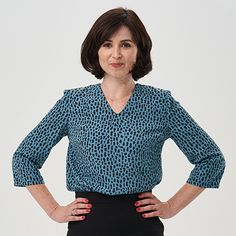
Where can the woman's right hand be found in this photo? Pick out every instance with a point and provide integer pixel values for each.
(71, 212)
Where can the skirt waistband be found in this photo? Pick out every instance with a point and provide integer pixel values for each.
(97, 197)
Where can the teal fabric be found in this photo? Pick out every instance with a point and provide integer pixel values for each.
(117, 153)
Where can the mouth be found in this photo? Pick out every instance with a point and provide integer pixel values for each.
(116, 65)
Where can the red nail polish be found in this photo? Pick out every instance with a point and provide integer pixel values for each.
(136, 204)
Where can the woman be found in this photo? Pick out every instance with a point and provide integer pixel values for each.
(116, 131)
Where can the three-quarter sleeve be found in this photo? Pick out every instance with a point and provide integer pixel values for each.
(197, 146)
(36, 146)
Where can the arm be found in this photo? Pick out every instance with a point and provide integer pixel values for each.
(183, 197)
(186, 194)
(33, 151)
(200, 149)
(44, 198)
(55, 211)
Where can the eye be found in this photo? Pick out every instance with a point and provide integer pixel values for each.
(126, 45)
(106, 45)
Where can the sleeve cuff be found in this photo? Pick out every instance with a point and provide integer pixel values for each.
(208, 174)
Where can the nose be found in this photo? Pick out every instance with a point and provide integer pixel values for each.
(116, 52)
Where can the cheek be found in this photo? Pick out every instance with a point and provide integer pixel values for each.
(132, 58)
(101, 57)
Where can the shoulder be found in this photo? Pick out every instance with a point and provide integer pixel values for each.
(83, 91)
(155, 91)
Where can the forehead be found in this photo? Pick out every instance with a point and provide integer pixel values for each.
(122, 33)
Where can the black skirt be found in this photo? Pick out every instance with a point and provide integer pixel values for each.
(114, 215)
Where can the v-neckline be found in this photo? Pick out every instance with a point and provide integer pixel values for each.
(126, 105)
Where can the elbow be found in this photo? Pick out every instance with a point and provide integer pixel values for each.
(208, 173)
(220, 163)
(24, 171)
(218, 167)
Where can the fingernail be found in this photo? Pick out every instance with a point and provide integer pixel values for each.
(89, 205)
(136, 204)
(86, 200)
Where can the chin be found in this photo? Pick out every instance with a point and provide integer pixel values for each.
(118, 74)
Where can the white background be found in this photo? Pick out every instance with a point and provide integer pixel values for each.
(193, 56)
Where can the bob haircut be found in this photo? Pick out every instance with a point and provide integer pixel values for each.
(107, 24)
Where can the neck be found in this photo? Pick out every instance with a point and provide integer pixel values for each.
(116, 88)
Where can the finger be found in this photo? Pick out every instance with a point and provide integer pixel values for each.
(145, 201)
(82, 205)
(146, 194)
(148, 201)
(81, 199)
(76, 218)
(150, 196)
(150, 214)
(80, 211)
(147, 208)
(77, 200)
(156, 200)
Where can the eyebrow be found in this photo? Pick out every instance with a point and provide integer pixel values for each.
(124, 40)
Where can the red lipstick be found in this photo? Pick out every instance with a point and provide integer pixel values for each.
(116, 65)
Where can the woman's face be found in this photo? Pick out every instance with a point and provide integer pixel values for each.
(118, 54)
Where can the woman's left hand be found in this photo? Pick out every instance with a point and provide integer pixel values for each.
(152, 203)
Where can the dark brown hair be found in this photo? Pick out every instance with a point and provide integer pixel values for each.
(103, 28)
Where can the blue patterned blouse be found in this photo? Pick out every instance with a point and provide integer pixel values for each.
(117, 153)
